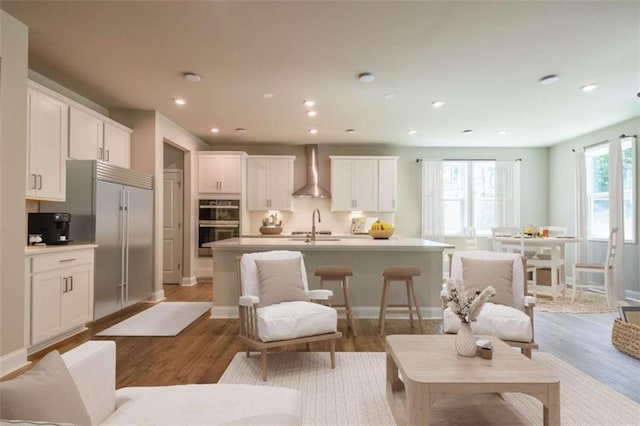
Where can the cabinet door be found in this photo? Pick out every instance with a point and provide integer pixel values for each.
(257, 177)
(387, 185)
(46, 294)
(85, 135)
(364, 185)
(230, 174)
(341, 199)
(77, 298)
(117, 145)
(280, 184)
(208, 174)
(48, 136)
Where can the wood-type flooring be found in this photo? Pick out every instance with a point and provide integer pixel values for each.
(201, 352)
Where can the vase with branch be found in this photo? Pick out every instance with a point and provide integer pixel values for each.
(467, 308)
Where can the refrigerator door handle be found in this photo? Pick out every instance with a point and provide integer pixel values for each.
(126, 246)
(122, 245)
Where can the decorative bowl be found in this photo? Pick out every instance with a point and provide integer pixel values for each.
(381, 234)
(270, 230)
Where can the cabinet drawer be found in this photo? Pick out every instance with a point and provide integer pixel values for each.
(61, 260)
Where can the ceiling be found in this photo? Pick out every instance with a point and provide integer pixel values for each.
(483, 59)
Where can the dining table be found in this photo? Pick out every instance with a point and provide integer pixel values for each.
(555, 260)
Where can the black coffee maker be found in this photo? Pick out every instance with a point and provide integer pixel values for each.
(52, 227)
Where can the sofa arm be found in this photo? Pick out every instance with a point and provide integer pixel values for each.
(248, 301)
(93, 368)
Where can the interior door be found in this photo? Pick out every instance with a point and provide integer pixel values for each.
(139, 244)
(172, 227)
(109, 253)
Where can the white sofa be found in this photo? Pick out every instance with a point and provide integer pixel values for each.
(92, 366)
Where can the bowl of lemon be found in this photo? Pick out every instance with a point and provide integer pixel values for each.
(381, 230)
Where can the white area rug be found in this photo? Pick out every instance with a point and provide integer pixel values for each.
(587, 303)
(354, 393)
(164, 319)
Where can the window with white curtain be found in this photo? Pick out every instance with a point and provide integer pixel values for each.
(469, 196)
(597, 171)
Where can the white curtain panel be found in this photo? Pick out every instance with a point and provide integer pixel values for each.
(507, 196)
(581, 207)
(432, 201)
(616, 218)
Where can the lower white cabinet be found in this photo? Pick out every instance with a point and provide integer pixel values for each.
(61, 293)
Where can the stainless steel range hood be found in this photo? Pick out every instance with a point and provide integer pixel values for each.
(312, 188)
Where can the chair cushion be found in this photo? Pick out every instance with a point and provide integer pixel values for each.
(47, 392)
(249, 271)
(502, 321)
(477, 274)
(290, 320)
(207, 404)
(280, 281)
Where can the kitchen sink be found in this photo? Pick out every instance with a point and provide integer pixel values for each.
(317, 239)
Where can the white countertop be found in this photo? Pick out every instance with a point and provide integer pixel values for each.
(325, 243)
(29, 250)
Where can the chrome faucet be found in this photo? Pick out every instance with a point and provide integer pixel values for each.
(313, 224)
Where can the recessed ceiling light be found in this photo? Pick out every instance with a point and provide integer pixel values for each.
(215, 130)
(179, 101)
(313, 131)
(412, 132)
(437, 104)
(312, 113)
(502, 132)
(365, 77)
(267, 95)
(192, 77)
(467, 131)
(241, 130)
(588, 87)
(549, 79)
(309, 103)
(389, 96)
(351, 131)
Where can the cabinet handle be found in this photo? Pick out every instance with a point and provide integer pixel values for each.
(100, 156)
(39, 182)
(34, 180)
(64, 280)
(67, 260)
(107, 154)
(220, 185)
(70, 283)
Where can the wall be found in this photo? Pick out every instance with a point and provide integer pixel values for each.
(13, 138)
(562, 194)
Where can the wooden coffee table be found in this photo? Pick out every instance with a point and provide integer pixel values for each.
(431, 368)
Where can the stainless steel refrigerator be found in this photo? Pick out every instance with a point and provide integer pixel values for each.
(113, 208)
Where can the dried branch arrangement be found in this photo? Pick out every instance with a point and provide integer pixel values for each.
(466, 307)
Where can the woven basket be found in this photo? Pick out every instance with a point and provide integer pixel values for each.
(270, 230)
(625, 337)
(380, 234)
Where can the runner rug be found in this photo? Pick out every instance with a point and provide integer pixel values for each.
(354, 393)
(163, 319)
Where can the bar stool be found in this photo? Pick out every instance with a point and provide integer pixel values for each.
(405, 274)
(341, 274)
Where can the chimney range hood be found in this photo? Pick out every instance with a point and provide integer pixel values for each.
(312, 188)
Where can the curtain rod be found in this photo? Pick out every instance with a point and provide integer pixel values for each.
(622, 136)
(420, 160)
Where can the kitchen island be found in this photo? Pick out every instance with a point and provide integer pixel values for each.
(367, 258)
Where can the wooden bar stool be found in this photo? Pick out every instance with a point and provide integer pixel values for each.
(405, 274)
(341, 274)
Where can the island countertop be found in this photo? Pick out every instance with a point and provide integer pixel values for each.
(324, 243)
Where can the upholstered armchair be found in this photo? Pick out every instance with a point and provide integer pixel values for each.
(277, 308)
(509, 314)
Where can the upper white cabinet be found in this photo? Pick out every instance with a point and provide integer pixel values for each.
(95, 137)
(363, 184)
(220, 173)
(270, 182)
(47, 138)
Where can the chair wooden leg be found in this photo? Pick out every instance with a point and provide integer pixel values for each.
(416, 304)
(347, 303)
(248, 349)
(409, 304)
(383, 306)
(575, 284)
(263, 363)
(332, 345)
(526, 352)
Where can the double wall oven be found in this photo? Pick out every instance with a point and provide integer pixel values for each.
(218, 220)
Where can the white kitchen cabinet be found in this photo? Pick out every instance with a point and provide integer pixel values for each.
(354, 184)
(94, 137)
(47, 139)
(60, 286)
(270, 182)
(220, 173)
(387, 184)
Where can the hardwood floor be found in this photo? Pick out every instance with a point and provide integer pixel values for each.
(202, 352)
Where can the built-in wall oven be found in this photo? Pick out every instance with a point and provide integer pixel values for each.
(218, 220)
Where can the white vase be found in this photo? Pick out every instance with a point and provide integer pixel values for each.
(465, 342)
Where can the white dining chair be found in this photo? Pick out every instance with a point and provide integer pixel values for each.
(470, 238)
(605, 268)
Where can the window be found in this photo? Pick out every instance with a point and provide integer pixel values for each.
(597, 159)
(469, 196)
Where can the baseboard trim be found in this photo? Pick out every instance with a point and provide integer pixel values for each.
(189, 281)
(362, 312)
(156, 297)
(13, 361)
(204, 273)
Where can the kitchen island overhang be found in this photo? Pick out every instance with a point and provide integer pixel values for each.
(366, 257)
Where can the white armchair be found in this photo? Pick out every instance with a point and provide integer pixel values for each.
(509, 315)
(278, 309)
